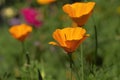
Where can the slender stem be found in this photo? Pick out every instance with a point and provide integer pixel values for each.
(70, 57)
(28, 58)
(75, 68)
(28, 61)
(23, 47)
(82, 64)
(26, 53)
(96, 42)
(23, 51)
(39, 75)
(71, 72)
(96, 39)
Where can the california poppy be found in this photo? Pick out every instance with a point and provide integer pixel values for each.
(69, 38)
(79, 12)
(20, 32)
(43, 2)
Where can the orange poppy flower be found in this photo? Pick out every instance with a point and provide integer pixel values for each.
(69, 38)
(79, 11)
(43, 2)
(20, 32)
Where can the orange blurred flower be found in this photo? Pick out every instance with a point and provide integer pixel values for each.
(69, 38)
(20, 32)
(79, 11)
(43, 2)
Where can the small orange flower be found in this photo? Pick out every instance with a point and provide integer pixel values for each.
(21, 31)
(43, 2)
(69, 38)
(79, 11)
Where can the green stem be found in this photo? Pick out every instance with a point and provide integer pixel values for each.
(96, 39)
(28, 61)
(70, 57)
(82, 64)
(96, 42)
(71, 72)
(77, 73)
(26, 53)
(73, 66)
(23, 47)
(39, 75)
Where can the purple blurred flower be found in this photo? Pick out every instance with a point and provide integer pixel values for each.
(14, 21)
(31, 16)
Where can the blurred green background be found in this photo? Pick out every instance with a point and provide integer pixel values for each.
(52, 61)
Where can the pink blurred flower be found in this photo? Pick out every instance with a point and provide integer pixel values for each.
(31, 16)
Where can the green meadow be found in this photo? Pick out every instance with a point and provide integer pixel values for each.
(48, 62)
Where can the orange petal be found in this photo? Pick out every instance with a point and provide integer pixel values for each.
(81, 9)
(67, 33)
(72, 45)
(21, 31)
(78, 33)
(78, 9)
(89, 7)
(68, 9)
(53, 43)
(58, 35)
(69, 38)
(74, 33)
(43, 2)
